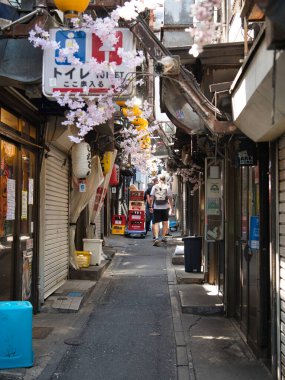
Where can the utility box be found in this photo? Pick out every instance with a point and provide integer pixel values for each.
(16, 334)
(193, 253)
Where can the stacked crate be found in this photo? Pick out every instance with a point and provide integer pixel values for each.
(118, 224)
(136, 213)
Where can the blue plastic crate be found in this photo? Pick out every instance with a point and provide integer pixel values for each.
(16, 334)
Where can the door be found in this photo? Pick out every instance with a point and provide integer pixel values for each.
(27, 223)
(250, 214)
(17, 216)
(8, 209)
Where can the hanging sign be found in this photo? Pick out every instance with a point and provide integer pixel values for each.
(64, 76)
(246, 154)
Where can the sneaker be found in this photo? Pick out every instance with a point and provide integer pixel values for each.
(168, 235)
(163, 240)
(154, 238)
(156, 242)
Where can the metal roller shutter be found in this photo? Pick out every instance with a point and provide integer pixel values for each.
(281, 175)
(56, 217)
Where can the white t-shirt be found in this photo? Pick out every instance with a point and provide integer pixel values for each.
(161, 187)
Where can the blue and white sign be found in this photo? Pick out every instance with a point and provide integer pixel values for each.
(61, 74)
(254, 232)
(67, 40)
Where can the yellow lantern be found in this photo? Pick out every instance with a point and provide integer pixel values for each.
(139, 121)
(121, 103)
(71, 8)
(130, 112)
(106, 162)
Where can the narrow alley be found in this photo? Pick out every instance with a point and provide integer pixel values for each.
(131, 327)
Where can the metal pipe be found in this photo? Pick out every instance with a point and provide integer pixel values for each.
(36, 12)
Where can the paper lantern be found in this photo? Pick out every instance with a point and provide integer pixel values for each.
(81, 160)
(132, 111)
(141, 122)
(115, 176)
(106, 162)
(71, 8)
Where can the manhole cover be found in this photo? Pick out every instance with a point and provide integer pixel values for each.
(41, 332)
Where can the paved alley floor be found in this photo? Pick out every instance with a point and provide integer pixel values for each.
(129, 334)
(131, 327)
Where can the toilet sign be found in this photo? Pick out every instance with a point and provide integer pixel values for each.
(62, 75)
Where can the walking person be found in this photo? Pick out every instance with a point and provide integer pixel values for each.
(161, 204)
(148, 213)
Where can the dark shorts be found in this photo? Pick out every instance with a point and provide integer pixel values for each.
(160, 215)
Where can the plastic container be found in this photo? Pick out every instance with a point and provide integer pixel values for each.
(95, 247)
(119, 219)
(136, 206)
(16, 334)
(136, 216)
(193, 253)
(137, 195)
(136, 226)
(118, 230)
(83, 258)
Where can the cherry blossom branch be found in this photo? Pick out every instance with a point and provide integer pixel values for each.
(205, 29)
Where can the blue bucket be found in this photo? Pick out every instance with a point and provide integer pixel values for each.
(16, 334)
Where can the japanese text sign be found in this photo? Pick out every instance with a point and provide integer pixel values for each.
(65, 76)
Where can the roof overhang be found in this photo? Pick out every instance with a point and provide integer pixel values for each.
(258, 107)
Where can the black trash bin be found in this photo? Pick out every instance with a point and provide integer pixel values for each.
(193, 253)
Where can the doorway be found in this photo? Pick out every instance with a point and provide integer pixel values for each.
(252, 304)
(17, 221)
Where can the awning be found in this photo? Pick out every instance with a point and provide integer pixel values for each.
(258, 108)
(20, 62)
(178, 109)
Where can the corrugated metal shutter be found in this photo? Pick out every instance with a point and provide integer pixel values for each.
(56, 238)
(281, 159)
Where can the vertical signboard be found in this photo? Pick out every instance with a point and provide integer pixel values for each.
(214, 210)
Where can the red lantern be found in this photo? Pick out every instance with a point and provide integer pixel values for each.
(115, 176)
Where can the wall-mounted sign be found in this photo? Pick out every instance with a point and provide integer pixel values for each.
(254, 232)
(62, 75)
(246, 153)
(214, 210)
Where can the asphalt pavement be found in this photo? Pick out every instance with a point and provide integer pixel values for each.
(138, 321)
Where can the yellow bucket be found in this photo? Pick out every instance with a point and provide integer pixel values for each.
(83, 258)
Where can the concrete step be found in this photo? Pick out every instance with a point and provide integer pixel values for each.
(200, 299)
(92, 273)
(178, 255)
(183, 277)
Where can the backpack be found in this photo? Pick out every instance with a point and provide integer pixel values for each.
(160, 195)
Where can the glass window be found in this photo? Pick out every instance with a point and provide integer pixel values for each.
(9, 119)
(178, 12)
